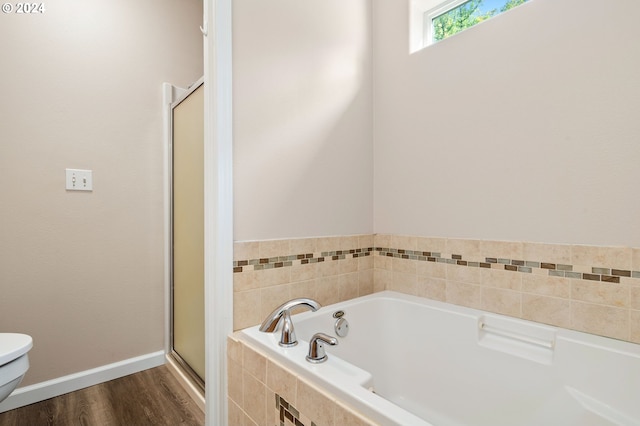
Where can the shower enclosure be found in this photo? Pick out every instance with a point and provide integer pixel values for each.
(186, 168)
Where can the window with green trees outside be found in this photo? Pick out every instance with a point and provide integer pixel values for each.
(454, 16)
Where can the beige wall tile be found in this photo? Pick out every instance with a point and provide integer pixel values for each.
(437, 245)
(464, 294)
(315, 405)
(382, 240)
(601, 293)
(272, 297)
(612, 257)
(381, 280)
(254, 394)
(464, 274)
(300, 272)
(255, 364)
(249, 422)
(246, 250)
(365, 282)
(403, 283)
(635, 259)
(303, 289)
(348, 242)
(245, 313)
(327, 244)
(634, 317)
(246, 280)
(548, 253)
(348, 286)
(404, 265)
(634, 297)
(404, 242)
(328, 290)
(546, 285)
(501, 279)
(597, 319)
(272, 248)
(234, 350)
(303, 245)
(235, 381)
(281, 381)
(236, 415)
(365, 241)
(500, 301)
(365, 262)
(328, 268)
(502, 249)
(274, 276)
(382, 262)
(468, 249)
(347, 265)
(547, 310)
(431, 269)
(432, 288)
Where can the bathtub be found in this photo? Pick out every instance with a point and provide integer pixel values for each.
(413, 361)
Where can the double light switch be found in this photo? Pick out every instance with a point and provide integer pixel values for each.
(79, 180)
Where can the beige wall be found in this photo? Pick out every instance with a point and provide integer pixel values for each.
(302, 100)
(81, 88)
(523, 128)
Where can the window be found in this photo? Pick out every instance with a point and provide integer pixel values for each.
(435, 20)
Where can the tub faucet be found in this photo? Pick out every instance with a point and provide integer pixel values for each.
(283, 312)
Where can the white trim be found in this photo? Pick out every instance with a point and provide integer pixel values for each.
(429, 15)
(73, 382)
(417, 8)
(420, 35)
(218, 206)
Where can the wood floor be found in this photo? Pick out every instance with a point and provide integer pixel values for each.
(151, 397)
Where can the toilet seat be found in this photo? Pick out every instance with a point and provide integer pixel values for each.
(13, 346)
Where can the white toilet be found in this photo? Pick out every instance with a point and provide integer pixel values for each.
(14, 361)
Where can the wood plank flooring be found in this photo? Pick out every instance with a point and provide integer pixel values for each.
(151, 397)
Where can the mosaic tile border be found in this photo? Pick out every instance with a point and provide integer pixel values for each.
(603, 274)
(288, 415)
(299, 259)
(609, 275)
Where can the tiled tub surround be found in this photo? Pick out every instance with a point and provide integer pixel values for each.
(262, 392)
(586, 288)
(268, 273)
(533, 281)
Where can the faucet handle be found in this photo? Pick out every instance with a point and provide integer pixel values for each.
(316, 347)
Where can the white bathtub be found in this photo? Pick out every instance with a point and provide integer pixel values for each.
(413, 361)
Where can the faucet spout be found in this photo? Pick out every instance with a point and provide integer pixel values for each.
(283, 313)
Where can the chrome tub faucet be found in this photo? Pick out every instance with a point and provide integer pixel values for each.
(283, 312)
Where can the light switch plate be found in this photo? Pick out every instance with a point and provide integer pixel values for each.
(79, 180)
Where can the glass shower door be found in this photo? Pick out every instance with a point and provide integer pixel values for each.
(188, 233)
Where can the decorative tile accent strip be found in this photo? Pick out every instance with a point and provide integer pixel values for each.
(299, 259)
(609, 275)
(288, 415)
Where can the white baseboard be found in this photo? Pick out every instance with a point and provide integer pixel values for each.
(40, 391)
